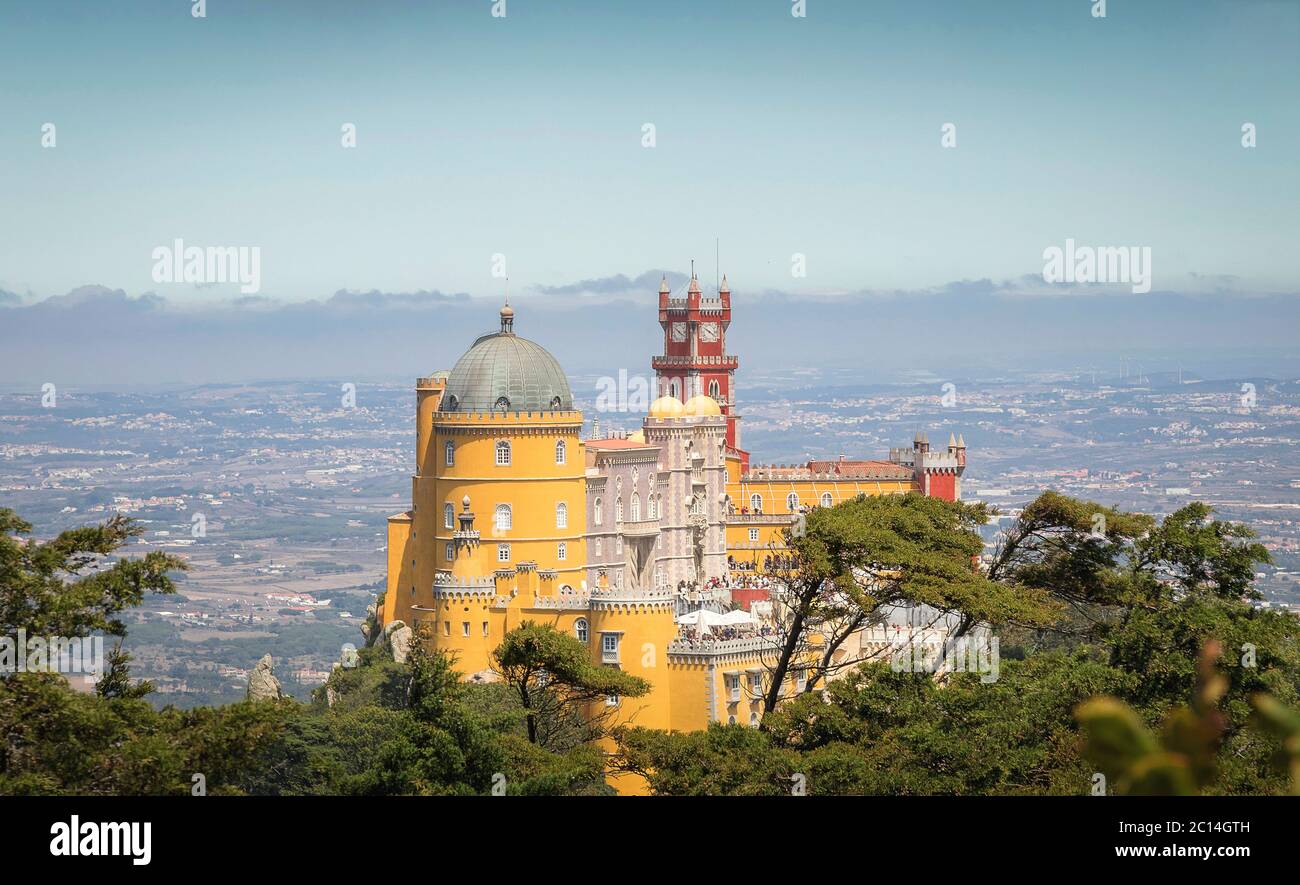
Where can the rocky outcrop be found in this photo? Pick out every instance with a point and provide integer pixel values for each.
(331, 694)
(397, 640)
(368, 626)
(262, 684)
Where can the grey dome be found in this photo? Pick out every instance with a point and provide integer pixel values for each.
(503, 372)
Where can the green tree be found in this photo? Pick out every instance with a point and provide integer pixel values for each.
(1136, 598)
(66, 586)
(116, 680)
(560, 690)
(112, 742)
(852, 561)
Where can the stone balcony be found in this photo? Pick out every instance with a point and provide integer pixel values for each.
(643, 528)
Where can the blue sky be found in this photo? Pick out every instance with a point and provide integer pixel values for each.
(522, 136)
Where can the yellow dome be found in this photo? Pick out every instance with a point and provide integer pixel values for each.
(667, 406)
(702, 406)
(636, 436)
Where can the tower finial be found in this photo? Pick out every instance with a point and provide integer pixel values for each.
(507, 314)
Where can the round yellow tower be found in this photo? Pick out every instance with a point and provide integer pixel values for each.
(503, 500)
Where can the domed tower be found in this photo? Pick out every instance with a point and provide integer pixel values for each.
(498, 496)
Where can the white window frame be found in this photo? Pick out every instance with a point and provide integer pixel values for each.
(827, 500)
(561, 515)
(503, 453)
(792, 502)
(450, 551)
(609, 647)
(561, 452)
(449, 454)
(753, 536)
(503, 553)
(506, 524)
(448, 515)
(582, 630)
(596, 517)
(756, 502)
(636, 507)
(562, 552)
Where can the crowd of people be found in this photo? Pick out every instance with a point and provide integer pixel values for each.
(772, 562)
(721, 633)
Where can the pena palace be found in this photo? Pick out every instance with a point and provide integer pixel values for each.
(649, 547)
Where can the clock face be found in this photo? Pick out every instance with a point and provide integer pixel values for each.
(679, 331)
(709, 332)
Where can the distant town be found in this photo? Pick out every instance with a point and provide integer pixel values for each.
(277, 493)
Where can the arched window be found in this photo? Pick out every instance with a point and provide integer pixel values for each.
(715, 390)
(562, 552)
(636, 507)
(597, 516)
(503, 519)
(674, 390)
(826, 499)
(503, 553)
(756, 503)
(653, 506)
(618, 510)
(792, 502)
(449, 453)
(503, 453)
(448, 516)
(598, 545)
(753, 720)
(561, 515)
(561, 451)
(580, 630)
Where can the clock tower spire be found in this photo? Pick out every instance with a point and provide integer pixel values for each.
(695, 358)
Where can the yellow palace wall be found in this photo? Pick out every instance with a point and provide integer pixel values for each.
(777, 515)
(532, 484)
(774, 492)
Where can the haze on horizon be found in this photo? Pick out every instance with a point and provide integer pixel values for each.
(522, 138)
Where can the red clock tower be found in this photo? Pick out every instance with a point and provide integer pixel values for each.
(695, 358)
